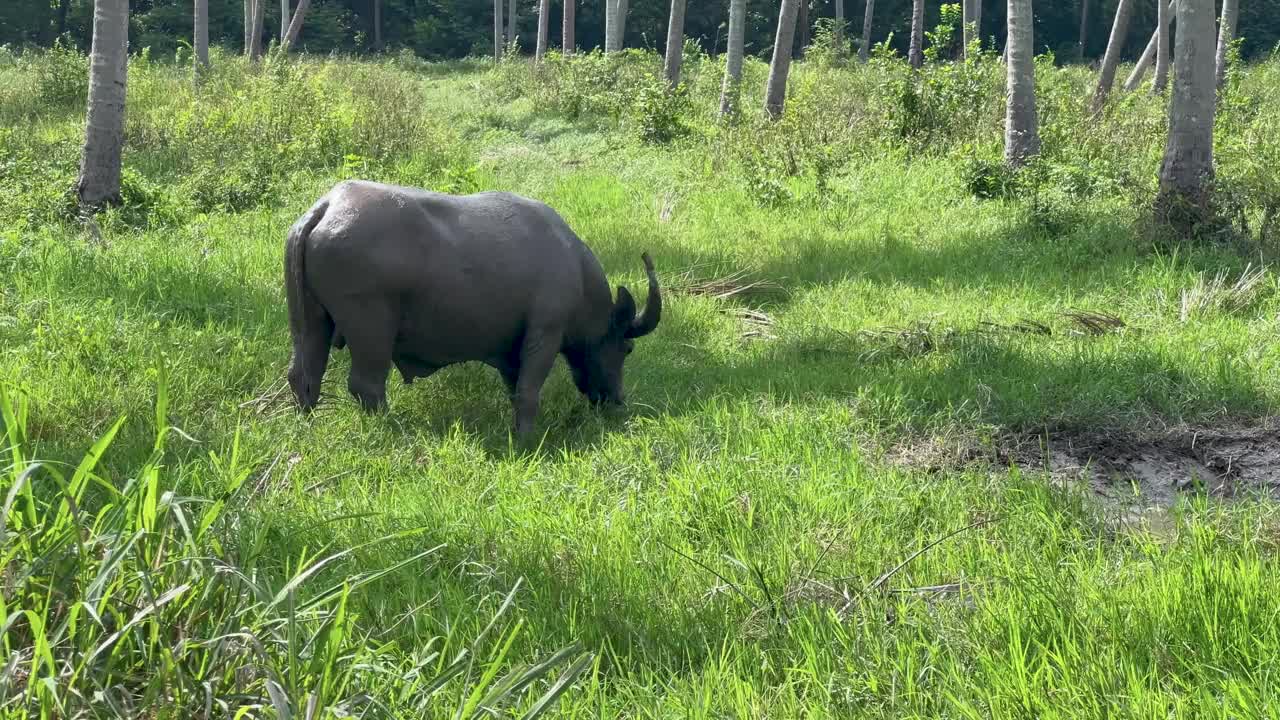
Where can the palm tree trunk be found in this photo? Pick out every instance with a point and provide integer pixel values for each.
(248, 24)
(802, 30)
(1149, 54)
(966, 20)
(839, 28)
(1185, 174)
(675, 43)
(864, 51)
(916, 54)
(544, 19)
(1162, 47)
(1115, 44)
(99, 179)
(377, 25)
(566, 29)
(284, 20)
(776, 91)
(1021, 132)
(497, 30)
(1226, 33)
(1084, 27)
(733, 63)
(977, 20)
(610, 23)
(201, 40)
(295, 25)
(620, 25)
(259, 16)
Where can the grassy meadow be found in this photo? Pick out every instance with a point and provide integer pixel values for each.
(783, 523)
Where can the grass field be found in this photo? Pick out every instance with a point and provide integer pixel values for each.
(783, 523)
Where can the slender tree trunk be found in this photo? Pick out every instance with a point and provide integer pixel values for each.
(201, 41)
(864, 51)
(248, 24)
(295, 25)
(802, 30)
(620, 25)
(610, 23)
(1144, 61)
(1111, 60)
(776, 91)
(916, 54)
(544, 20)
(64, 6)
(497, 31)
(839, 29)
(1226, 33)
(99, 179)
(733, 63)
(1084, 27)
(566, 29)
(675, 43)
(1162, 46)
(966, 21)
(1021, 132)
(977, 20)
(259, 15)
(1187, 170)
(284, 20)
(512, 18)
(377, 25)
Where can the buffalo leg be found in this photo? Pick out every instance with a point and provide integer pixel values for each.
(369, 327)
(310, 358)
(537, 355)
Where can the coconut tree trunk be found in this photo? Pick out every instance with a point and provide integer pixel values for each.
(248, 24)
(377, 25)
(1084, 27)
(620, 25)
(864, 51)
(1187, 170)
(497, 30)
(566, 29)
(733, 63)
(255, 32)
(675, 43)
(1226, 33)
(839, 28)
(977, 21)
(776, 91)
(295, 25)
(610, 23)
(99, 180)
(201, 40)
(916, 54)
(1149, 54)
(511, 21)
(284, 20)
(544, 19)
(802, 30)
(1111, 60)
(1161, 80)
(1021, 132)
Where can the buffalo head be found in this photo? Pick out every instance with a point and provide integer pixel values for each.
(597, 371)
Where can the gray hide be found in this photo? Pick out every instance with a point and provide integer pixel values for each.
(424, 280)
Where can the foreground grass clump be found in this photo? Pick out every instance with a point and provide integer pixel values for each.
(766, 532)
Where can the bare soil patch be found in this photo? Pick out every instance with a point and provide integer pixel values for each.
(1151, 467)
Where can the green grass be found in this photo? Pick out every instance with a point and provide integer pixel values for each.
(725, 547)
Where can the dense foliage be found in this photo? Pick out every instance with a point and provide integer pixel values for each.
(454, 28)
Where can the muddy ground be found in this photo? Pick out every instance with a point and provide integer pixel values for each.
(1151, 468)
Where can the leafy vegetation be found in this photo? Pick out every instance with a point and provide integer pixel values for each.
(765, 532)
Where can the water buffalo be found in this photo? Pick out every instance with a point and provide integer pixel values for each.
(423, 280)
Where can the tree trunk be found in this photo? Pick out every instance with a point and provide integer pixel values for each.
(1084, 27)
(864, 51)
(977, 20)
(201, 41)
(248, 24)
(776, 91)
(284, 20)
(497, 30)
(610, 23)
(64, 6)
(1162, 46)
(1148, 56)
(733, 63)
(1115, 45)
(620, 24)
(802, 30)
(544, 20)
(839, 28)
(916, 54)
(1226, 33)
(675, 43)
(295, 25)
(1021, 132)
(511, 21)
(966, 21)
(99, 179)
(566, 29)
(1187, 169)
(377, 25)
(259, 15)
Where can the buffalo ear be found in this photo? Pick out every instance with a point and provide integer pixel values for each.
(624, 311)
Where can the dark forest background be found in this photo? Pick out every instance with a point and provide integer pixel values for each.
(441, 29)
